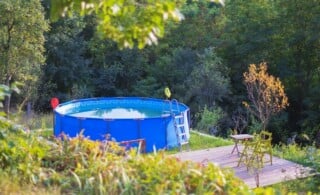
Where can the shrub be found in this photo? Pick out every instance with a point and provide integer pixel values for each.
(81, 166)
(209, 119)
(20, 154)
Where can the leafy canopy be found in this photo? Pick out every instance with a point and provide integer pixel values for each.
(128, 22)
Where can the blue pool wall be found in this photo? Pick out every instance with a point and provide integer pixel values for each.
(158, 132)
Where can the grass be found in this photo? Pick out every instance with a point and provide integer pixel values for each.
(35, 121)
(203, 141)
(12, 187)
(307, 156)
(200, 141)
(300, 186)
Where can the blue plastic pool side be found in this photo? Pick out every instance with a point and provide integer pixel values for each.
(158, 132)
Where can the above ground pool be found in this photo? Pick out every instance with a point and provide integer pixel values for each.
(162, 124)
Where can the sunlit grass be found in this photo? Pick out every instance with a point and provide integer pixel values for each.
(34, 121)
(201, 141)
(13, 187)
(301, 185)
(307, 156)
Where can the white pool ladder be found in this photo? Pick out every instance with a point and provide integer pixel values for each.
(179, 125)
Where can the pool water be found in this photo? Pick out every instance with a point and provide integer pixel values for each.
(119, 113)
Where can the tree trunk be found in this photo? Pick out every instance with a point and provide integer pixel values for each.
(7, 98)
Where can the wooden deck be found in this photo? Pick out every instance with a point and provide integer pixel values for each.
(281, 170)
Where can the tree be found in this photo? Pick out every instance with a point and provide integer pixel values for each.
(22, 25)
(298, 60)
(286, 34)
(246, 36)
(265, 92)
(128, 22)
(198, 30)
(208, 82)
(115, 71)
(67, 69)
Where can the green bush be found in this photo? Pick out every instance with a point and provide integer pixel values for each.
(209, 118)
(255, 126)
(21, 154)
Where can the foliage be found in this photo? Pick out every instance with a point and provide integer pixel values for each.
(82, 166)
(240, 119)
(209, 119)
(173, 68)
(286, 35)
(307, 156)
(22, 26)
(279, 128)
(244, 38)
(117, 72)
(309, 185)
(208, 82)
(65, 51)
(199, 28)
(21, 154)
(147, 87)
(184, 177)
(246, 34)
(129, 23)
(110, 72)
(299, 66)
(13, 187)
(201, 60)
(254, 125)
(4, 90)
(265, 92)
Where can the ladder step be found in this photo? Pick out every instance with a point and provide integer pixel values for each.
(178, 116)
(184, 142)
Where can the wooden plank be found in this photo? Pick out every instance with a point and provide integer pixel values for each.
(281, 170)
